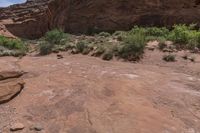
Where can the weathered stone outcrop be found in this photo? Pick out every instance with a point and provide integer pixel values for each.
(10, 85)
(33, 18)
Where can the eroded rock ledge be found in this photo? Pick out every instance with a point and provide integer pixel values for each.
(33, 18)
(10, 85)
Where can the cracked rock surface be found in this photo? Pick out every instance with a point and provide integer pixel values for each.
(81, 94)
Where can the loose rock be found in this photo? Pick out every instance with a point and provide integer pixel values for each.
(16, 127)
(59, 56)
(37, 127)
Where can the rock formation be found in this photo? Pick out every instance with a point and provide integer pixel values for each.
(10, 85)
(33, 18)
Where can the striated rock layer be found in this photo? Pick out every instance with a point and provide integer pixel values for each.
(33, 18)
(10, 85)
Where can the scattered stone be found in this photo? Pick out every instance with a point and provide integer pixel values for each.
(152, 45)
(150, 48)
(55, 51)
(37, 127)
(185, 57)
(168, 50)
(59, 56)
(16, 127)
(192, 58)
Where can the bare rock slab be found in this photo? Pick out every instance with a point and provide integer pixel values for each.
(10, 85)
(10, 74)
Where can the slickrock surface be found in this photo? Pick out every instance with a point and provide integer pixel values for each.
(33, 18)
(10, 85)
(80, 94)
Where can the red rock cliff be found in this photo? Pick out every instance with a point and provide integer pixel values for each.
(33, 18)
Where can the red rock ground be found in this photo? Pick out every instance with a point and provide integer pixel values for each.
(81, 94)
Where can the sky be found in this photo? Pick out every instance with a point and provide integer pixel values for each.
(5, 3)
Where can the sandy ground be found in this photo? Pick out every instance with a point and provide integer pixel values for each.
(81, 94)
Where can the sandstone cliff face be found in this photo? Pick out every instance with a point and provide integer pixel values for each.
(33, 18)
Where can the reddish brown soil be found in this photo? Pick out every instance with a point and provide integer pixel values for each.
(81, 94)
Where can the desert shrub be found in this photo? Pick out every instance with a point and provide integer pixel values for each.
(99, 51)
(11, 44)
(119, 35)
(169, 58)
(180, 34)
(151, 33)
(52, 40)
(133, 46)
(86, 51)
(136, 30)
(185, 36)
(108, 55)
(81, 46)
(56, 36)
(15, 53)
(104, 34)
(151, 38)
(194, 40)
(162, 43)
(157, 32)
(46, 48)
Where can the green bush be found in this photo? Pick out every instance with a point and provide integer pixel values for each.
(46, 48)
(194, 40)
(57, 37)
(52, 40)
(12, 44)
(108, 55)
(180, 34)
(119, 35)
(81, 46)
(185, 36)
(151, 33)
(157, 32)
(133, 46)
(99, 51)
(86, 51)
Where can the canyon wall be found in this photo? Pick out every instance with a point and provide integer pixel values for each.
(33, 18)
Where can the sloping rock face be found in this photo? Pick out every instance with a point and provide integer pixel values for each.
(33, 18)
(10, 85)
